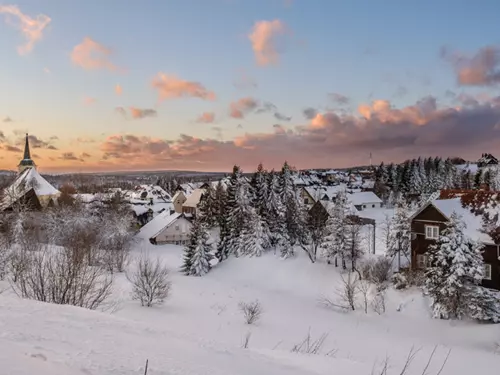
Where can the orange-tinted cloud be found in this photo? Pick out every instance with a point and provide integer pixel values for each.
(206, 117)
(482, 69)
(139, 113)
(264, 39)
(91, 55)
(241, 107)
(7, 119)
(171, 87)
(31, 28)
(118, 90)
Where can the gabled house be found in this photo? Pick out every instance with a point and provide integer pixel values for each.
(190, 206)
(178, 200)
(430, 220)
(167, 229)
(365, 200)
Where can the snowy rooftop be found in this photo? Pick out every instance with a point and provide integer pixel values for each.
(473, 222)
(363, 198)
(148, 192)
(157, 224)
(27, 180)
(194, 198)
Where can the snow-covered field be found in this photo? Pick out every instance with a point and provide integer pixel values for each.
(200, 329)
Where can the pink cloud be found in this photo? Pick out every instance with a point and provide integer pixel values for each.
(139, 113)
(264, 39)
(91, 55)
(31, 28)
(89, 101)
(171, 87)
(241, 107)
(118, 90)
(206, 117)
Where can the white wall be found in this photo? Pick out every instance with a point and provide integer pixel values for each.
(176, 231)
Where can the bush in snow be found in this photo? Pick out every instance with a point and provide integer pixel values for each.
(346, 293)
(252, 311)
(377, 270)
(55, 276)
(400, 281)
(150, 281)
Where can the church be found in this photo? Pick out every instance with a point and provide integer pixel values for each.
(29, 190)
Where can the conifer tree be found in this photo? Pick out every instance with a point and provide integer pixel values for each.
(456, 266)
(260, 188)
(198, 253)
(335, 244)
(276, 215)
(208, 207)
(400, 234)
(253, 237)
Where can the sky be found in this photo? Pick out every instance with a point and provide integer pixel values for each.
(206, 84)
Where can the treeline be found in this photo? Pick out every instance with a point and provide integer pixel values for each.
(424, 176)
(253, 215)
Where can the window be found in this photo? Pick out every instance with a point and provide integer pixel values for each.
(487, 272)
(422, 261)
(177, 227)
(306, 201)
(373, 206)
(431, 232)
(364, 206)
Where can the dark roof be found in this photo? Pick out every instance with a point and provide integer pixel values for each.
(27, 155)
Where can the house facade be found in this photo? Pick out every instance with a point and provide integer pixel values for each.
(430, 221)
(178, 200)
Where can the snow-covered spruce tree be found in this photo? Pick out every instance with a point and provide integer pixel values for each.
(208, 207)
(288, 195)
(253, 239)
(400, 233)
(335, 242)
(315, 231)
(198, 253)
(456, 267)
(276, 216)
(260, 188)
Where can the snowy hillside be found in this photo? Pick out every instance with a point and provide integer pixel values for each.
(200, 330)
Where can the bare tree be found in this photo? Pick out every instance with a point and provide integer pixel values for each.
(386, 226)
(252, 311)
(346, 293)
(364, 288)
(55, 276)
(315, 231)
(353, 250)
(378, 303)
(150, 281)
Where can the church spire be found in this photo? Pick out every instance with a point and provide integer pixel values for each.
(27, 154)
(26, 162)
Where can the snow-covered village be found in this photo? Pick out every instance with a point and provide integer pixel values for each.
(249, 187)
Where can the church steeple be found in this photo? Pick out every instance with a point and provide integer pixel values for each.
(26, 162)
(27, 155)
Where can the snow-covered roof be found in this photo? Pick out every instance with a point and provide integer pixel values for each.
(148, 192)
(27, 180)
(364, 197)
(473, 222)
(194, 198)
(176, 195)
(139, 210)
(472, 168)
(156, 225)
(318, 192)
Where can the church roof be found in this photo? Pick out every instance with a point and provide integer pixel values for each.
(27, 180)
(27, 161)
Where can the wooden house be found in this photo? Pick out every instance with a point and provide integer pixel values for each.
(427, 224)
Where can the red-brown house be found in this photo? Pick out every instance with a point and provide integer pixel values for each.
(428, 222)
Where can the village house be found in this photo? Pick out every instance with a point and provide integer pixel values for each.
(365, 200)
(429, 221)
(167, 229)
(178, 200)
(190, 206)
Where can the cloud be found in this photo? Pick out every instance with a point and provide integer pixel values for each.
(69, 156)
(34, 141)
(481, 69)
(85, 140)
(171, 87)
(7, 119)
(12, 148)
(31, 28)
(282, 117)
(339, 98)
(309, 113)
(138, 113)
(91, 55)
(206, 117)
(242, 107)
(264, 39)
(84, 155)
(89, 101)
(118, 90)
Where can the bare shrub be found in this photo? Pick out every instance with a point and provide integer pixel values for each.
(17, 263)
(378, 303)
(345, 294)
(54, 276)
(407, 278)
(246, 342)
(252, 311)
(150, 281)
(312, 346)
(377, 270)
(364, 287)
(384, 370)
